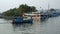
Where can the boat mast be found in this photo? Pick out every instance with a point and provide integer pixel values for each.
(48, 6)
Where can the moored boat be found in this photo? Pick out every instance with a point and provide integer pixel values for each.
(21, 21)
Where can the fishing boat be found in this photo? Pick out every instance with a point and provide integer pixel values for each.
(22, 21)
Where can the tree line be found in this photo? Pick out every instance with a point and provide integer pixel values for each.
(23, 8)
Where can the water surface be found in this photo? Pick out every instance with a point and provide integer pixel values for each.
(50, 26)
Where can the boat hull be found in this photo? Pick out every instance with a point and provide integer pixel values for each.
(30, 21)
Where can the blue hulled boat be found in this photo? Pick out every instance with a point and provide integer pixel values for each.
(20, 20)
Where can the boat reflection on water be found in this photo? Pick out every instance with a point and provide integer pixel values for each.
(21, 27)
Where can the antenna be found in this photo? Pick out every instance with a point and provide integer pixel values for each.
(48, 6)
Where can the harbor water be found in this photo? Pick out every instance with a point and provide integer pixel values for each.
(49, 26)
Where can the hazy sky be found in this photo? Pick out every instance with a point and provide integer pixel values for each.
(8, 4)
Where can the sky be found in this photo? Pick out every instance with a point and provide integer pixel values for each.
(10, 4)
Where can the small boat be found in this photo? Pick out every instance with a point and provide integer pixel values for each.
(21, 21)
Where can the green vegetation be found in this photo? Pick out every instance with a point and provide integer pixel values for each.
(19, 11)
